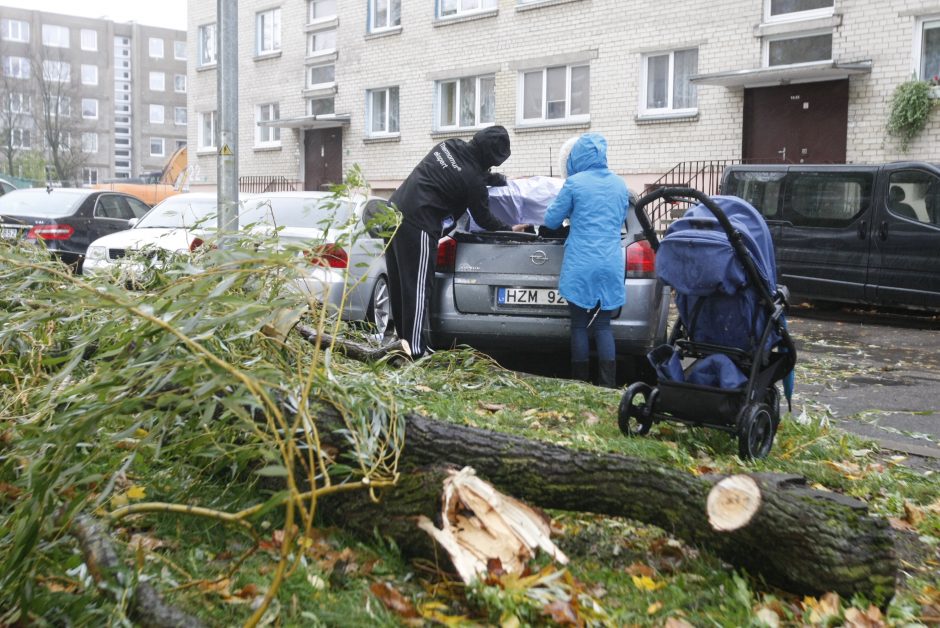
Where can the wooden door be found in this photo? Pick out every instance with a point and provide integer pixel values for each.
(323, 158)
(797, 124)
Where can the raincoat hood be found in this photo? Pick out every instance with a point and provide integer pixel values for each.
(492, 144)
(588, 153)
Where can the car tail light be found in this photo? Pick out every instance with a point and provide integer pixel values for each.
(331, 255)
(446, 254)
(641, 260)
(50, 232)
(195, 244)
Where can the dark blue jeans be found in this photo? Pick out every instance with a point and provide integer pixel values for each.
(583, 322)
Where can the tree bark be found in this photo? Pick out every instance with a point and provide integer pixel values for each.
(800, 539)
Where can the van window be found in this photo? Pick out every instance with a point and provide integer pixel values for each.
(760, 189)
(915, 195)
(827, 200)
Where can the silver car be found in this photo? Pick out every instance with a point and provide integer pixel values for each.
(498, 291)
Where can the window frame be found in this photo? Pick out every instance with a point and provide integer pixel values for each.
(386, 133)
(324, 85)
(87, 177)
(150, 45)
(57, 43)
(461, 12)
(162, 152)
(201, 140)
(24, 103)
(275, 27)
(310, 101)
(543, 120)
(47, 66)
(816, 32)
(8, 36)
(23, 66)
(16, 138)
(643, 110)
(274, 133)
(311, 37)
(93, 47)
(921, 25)
(154, 108)
(176, 116)
(176, 82)
(207, 56)
(478, 100)
(315, 20)
(82, 73)
(86, 101)
(87, 146)
(176, 50)
(796, 16)
(373, 27)
(162, 81)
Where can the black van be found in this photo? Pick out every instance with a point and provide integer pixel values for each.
(855, 233)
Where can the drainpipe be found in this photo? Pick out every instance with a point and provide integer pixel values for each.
(227, 94)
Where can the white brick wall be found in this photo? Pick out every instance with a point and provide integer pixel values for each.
(614, 32)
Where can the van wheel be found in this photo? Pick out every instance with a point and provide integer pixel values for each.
(380, 309)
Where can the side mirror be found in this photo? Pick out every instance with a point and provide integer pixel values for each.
(132, 222)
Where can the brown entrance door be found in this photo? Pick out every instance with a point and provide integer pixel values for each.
(804, 123)
(323, 158)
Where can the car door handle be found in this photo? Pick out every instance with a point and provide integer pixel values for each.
(862, 229)
(883, 230)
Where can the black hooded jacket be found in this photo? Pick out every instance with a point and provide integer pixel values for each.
(452, 179)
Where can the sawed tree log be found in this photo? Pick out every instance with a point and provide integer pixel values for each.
(800, 539)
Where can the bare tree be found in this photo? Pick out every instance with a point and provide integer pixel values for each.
(57, 112)
(15, 108)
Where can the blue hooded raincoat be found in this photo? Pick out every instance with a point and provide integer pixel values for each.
(595, 200)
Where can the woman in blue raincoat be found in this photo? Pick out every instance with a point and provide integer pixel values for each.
(595, 200)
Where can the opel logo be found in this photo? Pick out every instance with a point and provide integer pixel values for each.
(538, 258)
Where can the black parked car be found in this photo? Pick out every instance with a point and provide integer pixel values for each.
(66, 220)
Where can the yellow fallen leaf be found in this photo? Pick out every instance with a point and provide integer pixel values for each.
(654, 608)
(136, 492)
(645, 583)
(141, 432)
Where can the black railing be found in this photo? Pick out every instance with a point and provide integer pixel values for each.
(261, 184)
(704, 176)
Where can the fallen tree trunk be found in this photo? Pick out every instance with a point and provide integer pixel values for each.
(354, 350)
(800, 539)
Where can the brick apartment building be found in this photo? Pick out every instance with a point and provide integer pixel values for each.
(123, 85)
(325, 84)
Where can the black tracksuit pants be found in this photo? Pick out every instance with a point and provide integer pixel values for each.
(410, 259)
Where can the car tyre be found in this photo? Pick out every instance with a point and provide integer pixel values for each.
(379, 313)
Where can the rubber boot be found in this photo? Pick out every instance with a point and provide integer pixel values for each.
(607, 374)
(581, 371)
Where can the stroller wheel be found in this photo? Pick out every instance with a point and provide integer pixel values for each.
(755, 431)
(772, 399)
(636, 404)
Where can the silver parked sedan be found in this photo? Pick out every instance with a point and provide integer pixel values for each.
(498, 291)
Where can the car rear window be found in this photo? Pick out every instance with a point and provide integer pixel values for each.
(280, 211)
(41, 203)
(181, 213)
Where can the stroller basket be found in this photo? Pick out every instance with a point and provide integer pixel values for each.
(730, 345)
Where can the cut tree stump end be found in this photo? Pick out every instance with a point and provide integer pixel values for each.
(732, 503)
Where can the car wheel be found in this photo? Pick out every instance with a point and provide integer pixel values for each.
(380, 309)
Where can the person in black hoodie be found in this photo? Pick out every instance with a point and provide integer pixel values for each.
(451, 179)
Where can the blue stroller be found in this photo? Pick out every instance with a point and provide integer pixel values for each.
(730, 345)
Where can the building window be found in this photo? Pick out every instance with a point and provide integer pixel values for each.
(179, 83)
(89, 74)
(90, 108)
(55, 36)
(466, 103)
(56, 71)
(456, 8)
(268, 28)
(16, 67)
(89, 142)
(89, 40)
(19, 103)
(321, 10)
(207, 45)
(156, 47)
(157, 81)
(928, 49)
(60, 106)
(384, 14)
(665, 87)
(804, 48)
(14, 30)
(157, 147)
(267, 135)
(156, 114)
(321, 106)
(321, 42)
(779, 10)
(19, 138)
(179, 116)
(321, 76)
(179, 50)
(90, 176)
(382, 111)
(206, 139)
(180, 144)
(559, 94)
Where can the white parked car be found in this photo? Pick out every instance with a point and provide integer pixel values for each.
(347, 270)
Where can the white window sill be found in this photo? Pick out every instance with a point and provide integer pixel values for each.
(266, 148)
(382, 139)
(204, 68)
(672, 116)
(527, 127)
(323, 89)
(264, 56)
(321, 56)
(456, 132)
(384, 32)
(465, 17)
(322, 23)
(528, 6)
(205, 151)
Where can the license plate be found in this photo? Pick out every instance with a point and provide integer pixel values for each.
(529, 296)
(9, 233)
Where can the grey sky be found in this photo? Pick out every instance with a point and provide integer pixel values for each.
(168, 13)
